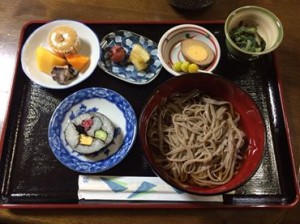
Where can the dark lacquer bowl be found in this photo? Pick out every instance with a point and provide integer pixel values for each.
(250, 122)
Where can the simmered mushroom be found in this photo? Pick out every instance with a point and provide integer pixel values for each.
(63, 74)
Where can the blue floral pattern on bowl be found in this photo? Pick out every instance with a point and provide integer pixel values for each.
(126, 71)
(94, 99)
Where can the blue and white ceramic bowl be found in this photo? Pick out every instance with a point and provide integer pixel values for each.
(126, 71)
(102, 100)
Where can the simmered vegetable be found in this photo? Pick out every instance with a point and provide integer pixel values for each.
(247, 38)
(63, 74)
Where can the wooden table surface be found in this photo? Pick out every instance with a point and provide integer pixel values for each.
(14, 14)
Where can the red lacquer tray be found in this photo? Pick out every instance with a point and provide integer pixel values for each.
(31, 176)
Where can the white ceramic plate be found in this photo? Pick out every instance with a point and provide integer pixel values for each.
(107, 102)
(89, 47)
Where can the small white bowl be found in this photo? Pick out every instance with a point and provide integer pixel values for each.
(89, 47)
(169, 50)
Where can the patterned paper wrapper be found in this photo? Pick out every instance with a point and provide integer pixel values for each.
(132, 188)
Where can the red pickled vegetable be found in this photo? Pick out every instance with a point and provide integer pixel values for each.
(87, 124)
(117, 53)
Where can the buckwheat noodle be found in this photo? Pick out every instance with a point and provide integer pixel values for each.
(197, 139)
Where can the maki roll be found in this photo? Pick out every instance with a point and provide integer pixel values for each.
(89, 132)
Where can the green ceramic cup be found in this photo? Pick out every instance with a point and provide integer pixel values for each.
(268, 26)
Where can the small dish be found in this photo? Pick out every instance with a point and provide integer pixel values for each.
(268, 27)
(127, 72)
(90, 47)
(107, 102)
(169, 46)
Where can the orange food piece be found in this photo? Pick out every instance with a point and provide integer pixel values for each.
(46, 60)
(79, 62)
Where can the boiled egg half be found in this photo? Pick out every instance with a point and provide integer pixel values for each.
(197, 52)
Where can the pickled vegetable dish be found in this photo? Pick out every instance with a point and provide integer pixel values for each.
(247, 38)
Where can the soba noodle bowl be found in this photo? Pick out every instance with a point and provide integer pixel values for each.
(197, 139)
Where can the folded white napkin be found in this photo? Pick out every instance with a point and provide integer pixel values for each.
(133, 189)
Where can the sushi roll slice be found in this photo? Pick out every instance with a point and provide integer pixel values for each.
(89, 132)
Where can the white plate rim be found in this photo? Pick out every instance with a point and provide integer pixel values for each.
(28, 53)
